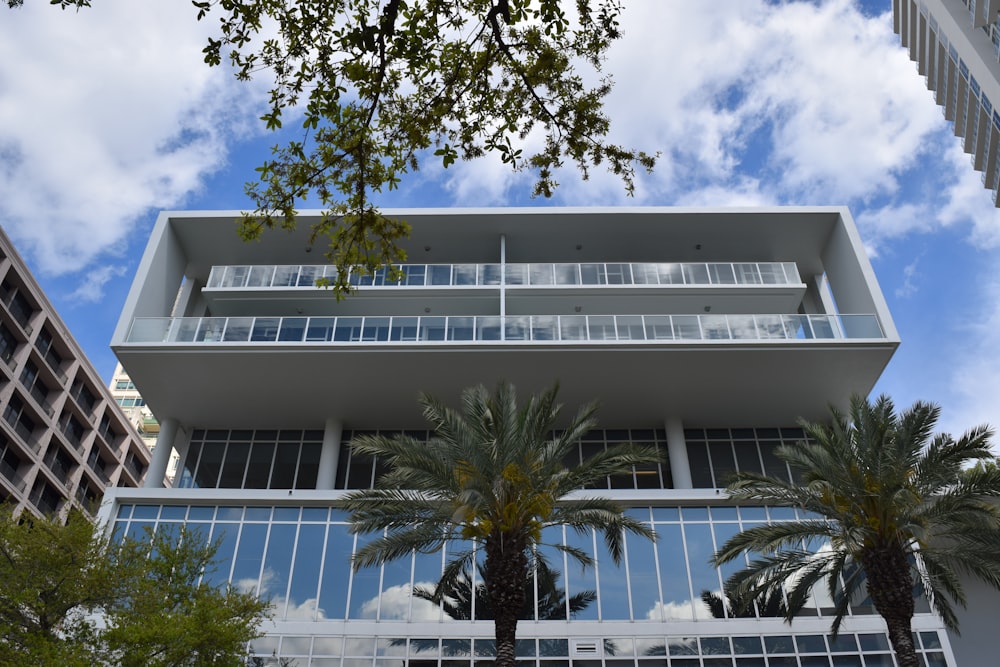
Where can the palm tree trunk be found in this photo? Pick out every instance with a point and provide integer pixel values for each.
(505, 574)
(891, 589)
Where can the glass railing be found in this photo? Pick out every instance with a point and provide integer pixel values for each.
(485, 275)
(493, 328)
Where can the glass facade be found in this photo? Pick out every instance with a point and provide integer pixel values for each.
(251, 459)
(299, 557)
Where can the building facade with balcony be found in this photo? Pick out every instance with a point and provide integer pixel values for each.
(139, 415)
(62, 437)
(706, 333)
(956, 45)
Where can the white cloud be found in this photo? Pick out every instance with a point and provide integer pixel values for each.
(975, 398)
(92, 282)
(910, 274)
(105, 114)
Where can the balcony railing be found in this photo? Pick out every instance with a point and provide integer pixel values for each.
(491, 329)
(471, 275)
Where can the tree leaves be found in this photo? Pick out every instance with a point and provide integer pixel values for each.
(383, 82)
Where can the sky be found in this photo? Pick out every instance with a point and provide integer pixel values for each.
(108, 115)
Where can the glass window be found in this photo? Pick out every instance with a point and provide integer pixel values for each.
(278, 566)
(336, 573)
(234, 465)
(579, 580)
(249, 557)
(207, 476)
(265, 329)
(348, 330)
(308, 468)
(285, 461)
(260, 276)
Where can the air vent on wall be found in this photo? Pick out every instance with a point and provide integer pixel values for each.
(585, 648)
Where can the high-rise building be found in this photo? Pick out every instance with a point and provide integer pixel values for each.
(956, 45)
(706, 333)
(139, 415)
(62, 438)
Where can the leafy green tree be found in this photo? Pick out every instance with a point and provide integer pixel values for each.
(895, 511)
(495, 474)
(69, 596)
(383, 83)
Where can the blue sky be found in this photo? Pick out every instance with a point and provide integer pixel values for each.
(108, 116)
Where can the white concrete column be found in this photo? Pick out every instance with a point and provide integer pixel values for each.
(677, 452)
(326, 478)
(161, 455)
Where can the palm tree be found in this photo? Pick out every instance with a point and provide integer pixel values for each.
(895, 511)
(495, 474)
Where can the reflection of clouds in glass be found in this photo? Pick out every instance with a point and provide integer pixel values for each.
(679, 611)
(395, 603)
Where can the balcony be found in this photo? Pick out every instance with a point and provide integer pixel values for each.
(488, 275)
(494, 329)
(9, 472)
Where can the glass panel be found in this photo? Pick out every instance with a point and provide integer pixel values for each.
(823, 327)
(207, 476)
(364, 588)
(432, 328)
(278, 566)
(670, 274)
(320, 329)
(613, 586)
(285, 276)
(414, 274)
(769, 326)
(567, 274)
(292, 329)
(686, 327)
(550, 598)
(705, 582)
(461, 328)
(308, 468)
(715, 326)
(747, 274)
(260, 276)
(234, 465)
(426, 573)
(630, 327)
(235, 276)
(439, 274)
(543, 327)
(489, 274)
(265, 329)
(658, 327)
(721, 274)
(259, 470)
(619, 274)
(601, 327)
(375, 329)
(723, 463)
(517, 327)
(308, 275)
(488, 327)
(771, 274)
(516, 274)
(573, 327)
(741, 327)
(695, 274)
(593, 274)
(464, 274)
(225, 534)
(394, 598)
(348, 330)
(336, 573)
(249, 557)
(403, 329)
(643, 582)
(540, 274)
(285, 460)
(210, 329)
(581, 581)
(861, 326)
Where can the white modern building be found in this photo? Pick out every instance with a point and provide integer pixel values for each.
(956, 45)
(705, 332)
